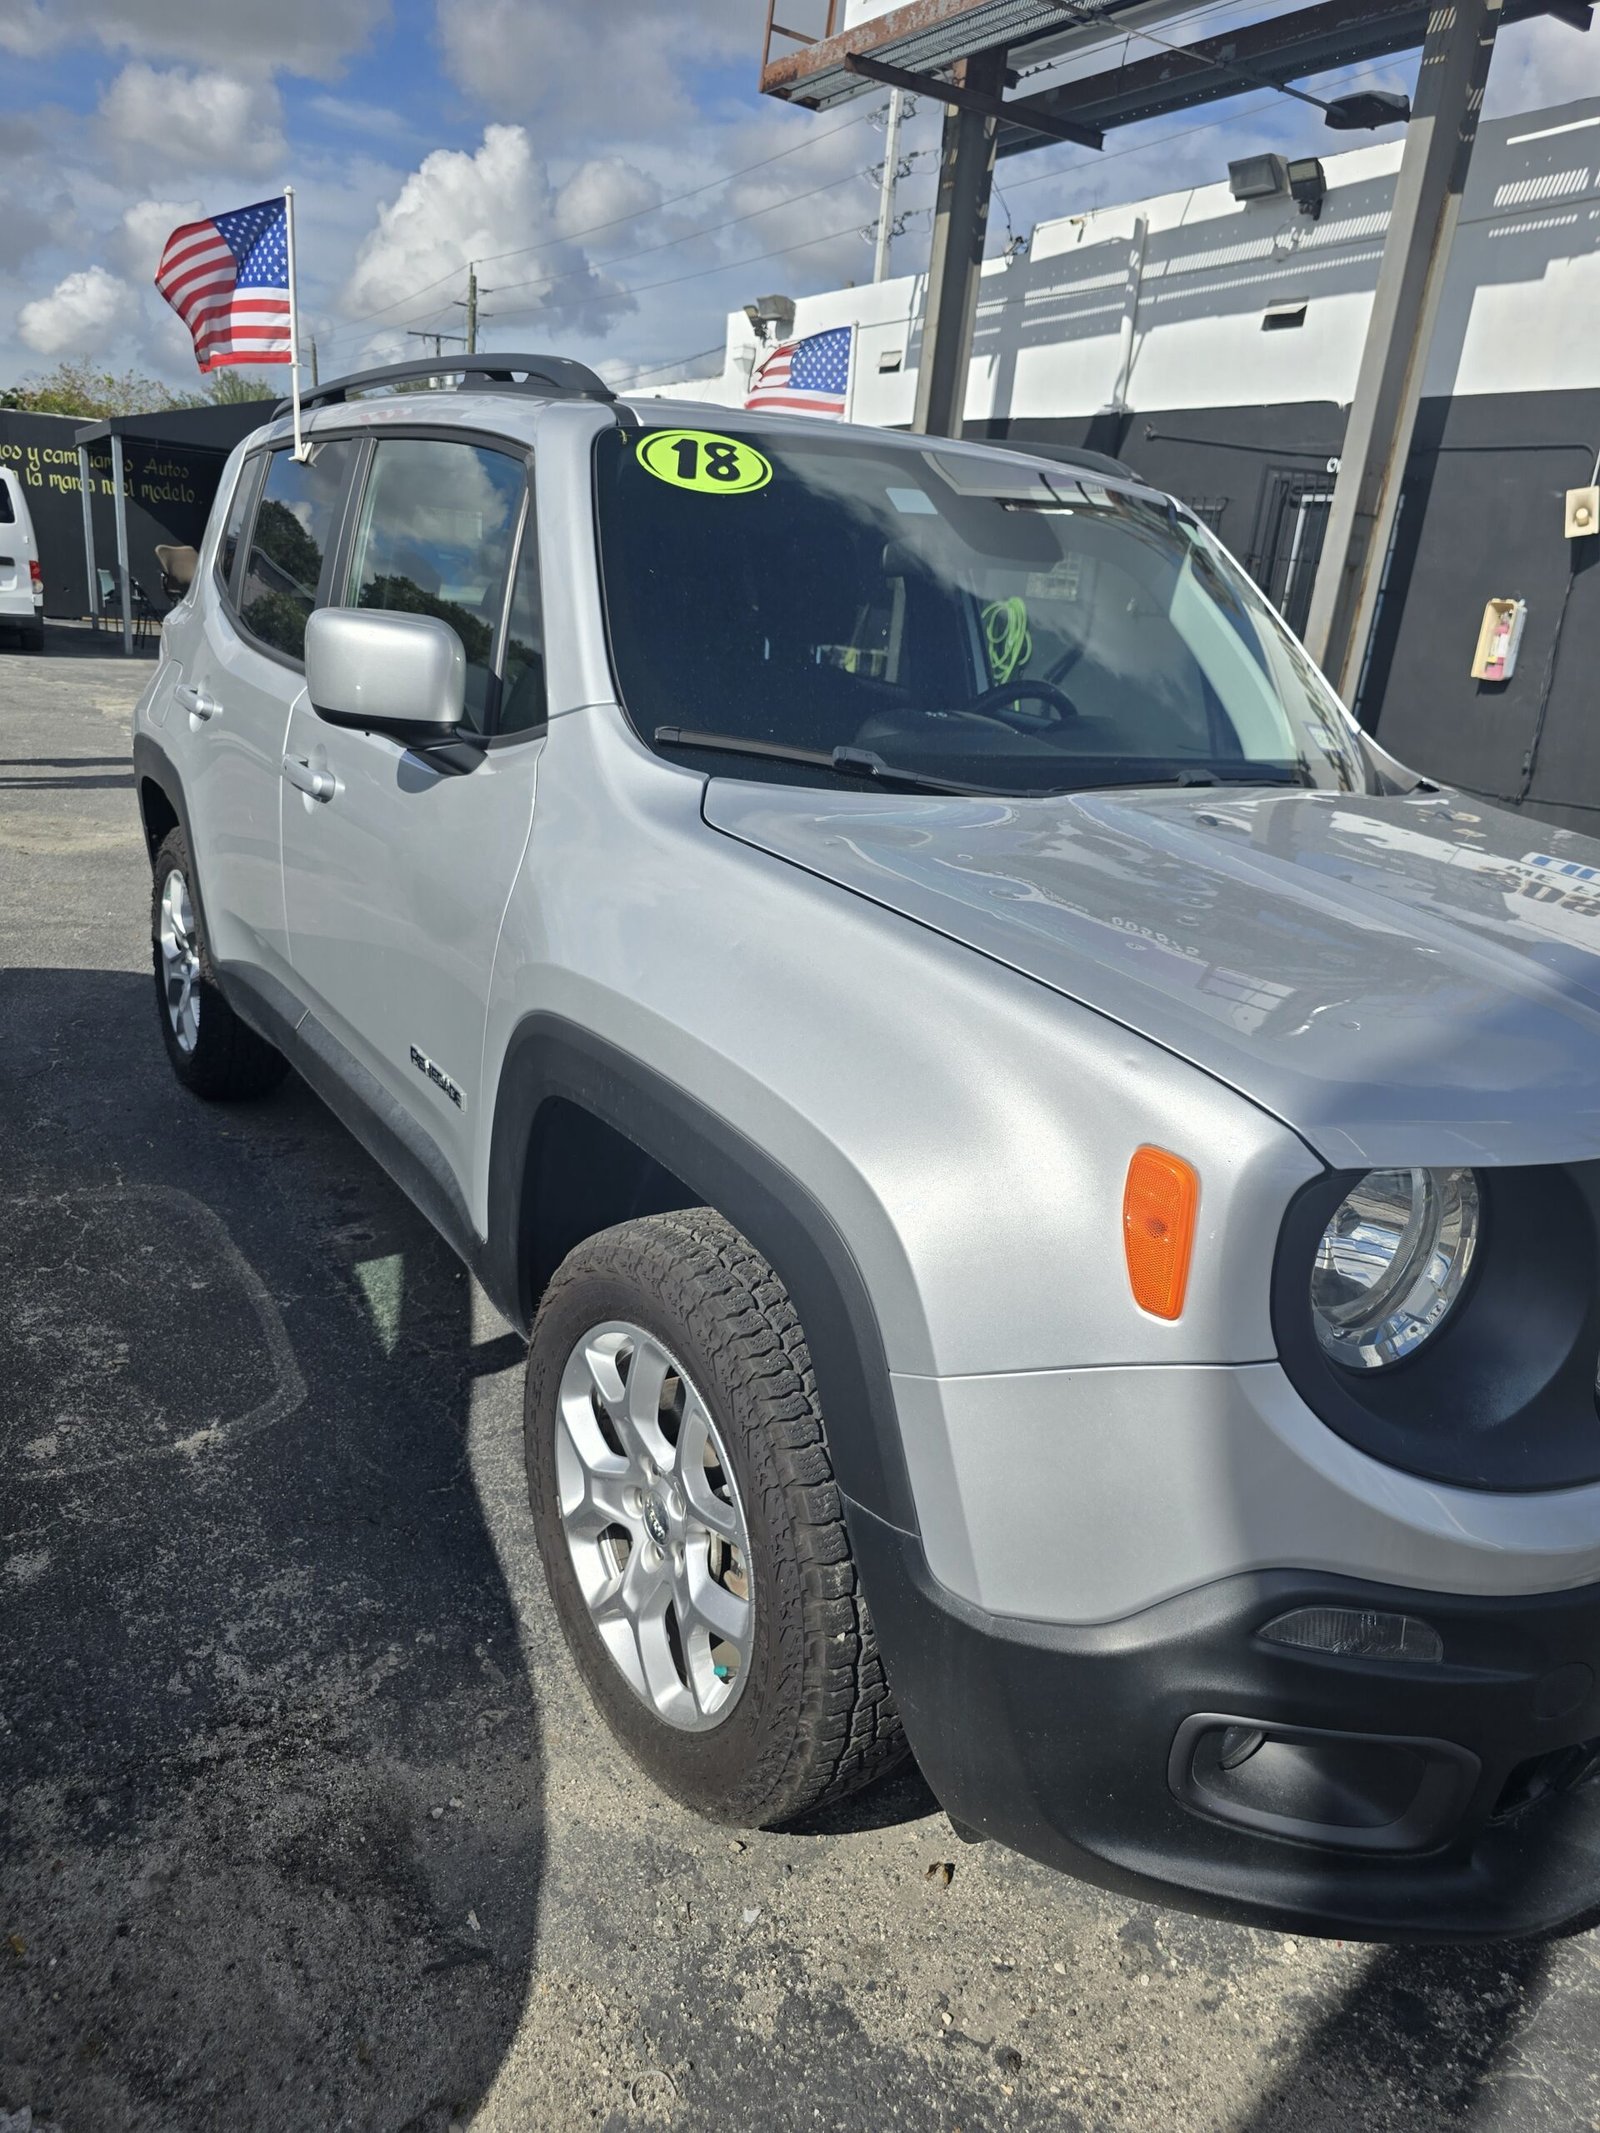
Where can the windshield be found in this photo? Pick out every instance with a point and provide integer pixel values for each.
(978, 618)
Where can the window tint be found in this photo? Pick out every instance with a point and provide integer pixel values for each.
(435, 538)
(522, 698)
(295, 523)
(1024, 627)
(8, 510)
(244, 490)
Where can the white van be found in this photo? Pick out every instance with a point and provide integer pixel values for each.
(21, 580)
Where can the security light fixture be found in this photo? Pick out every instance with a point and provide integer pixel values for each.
(1257, 177)
(771, 316)
(1365, 110)
(1308, 187)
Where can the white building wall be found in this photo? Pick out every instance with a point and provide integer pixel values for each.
(1520, 313)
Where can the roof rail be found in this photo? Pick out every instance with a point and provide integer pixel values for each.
(542, 375)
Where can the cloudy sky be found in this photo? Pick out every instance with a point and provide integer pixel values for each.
(622, 192)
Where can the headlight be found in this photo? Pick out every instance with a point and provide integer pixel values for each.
(1392, 1264)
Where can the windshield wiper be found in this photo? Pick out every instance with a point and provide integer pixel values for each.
(843, 762)
(1203, 774)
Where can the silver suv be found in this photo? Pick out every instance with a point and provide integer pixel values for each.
(1054, 1190)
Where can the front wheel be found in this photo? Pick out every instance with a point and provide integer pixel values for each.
(211, 1050)
(691, 1528)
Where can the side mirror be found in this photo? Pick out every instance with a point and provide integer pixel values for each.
(398, 674)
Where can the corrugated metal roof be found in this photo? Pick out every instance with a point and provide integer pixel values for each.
(926, 35)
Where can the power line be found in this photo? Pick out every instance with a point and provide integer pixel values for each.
(712, 229)
(672, 363)
(594, 229)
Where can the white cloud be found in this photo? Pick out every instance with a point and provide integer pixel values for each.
(461, 206)
(161, 119)
(302, 36)
(1538, 63)
(545, 57)
(603, 195)
(145, 229)
(82, 315)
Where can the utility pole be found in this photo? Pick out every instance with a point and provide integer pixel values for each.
(472, 308)
(960, 225)
(416, 333)
(1416, 257)
(891, 173)
(311, 342)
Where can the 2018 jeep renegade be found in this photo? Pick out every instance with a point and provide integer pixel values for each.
(1054, 1189)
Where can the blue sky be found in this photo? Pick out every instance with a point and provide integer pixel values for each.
(421, 133)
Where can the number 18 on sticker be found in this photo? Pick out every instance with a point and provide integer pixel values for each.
(700, 459)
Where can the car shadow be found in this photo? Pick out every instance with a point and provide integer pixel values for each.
(1427, 2037)
(272, 1831)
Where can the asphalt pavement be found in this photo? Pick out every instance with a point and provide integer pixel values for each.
(304, 1821)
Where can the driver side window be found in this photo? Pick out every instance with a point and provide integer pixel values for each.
(434, 538)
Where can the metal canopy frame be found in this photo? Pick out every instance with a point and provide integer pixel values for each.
(928, 36)
(1313, 40)
(98, 433)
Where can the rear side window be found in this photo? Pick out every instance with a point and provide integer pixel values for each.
(296, 523)
(244, 490)
(8, 510)
(434, 538)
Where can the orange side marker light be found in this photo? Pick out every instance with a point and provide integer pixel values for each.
(1159, 1206)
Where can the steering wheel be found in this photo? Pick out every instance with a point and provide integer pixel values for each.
(990, 703)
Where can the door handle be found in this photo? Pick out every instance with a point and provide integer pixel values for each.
(320, 784)
(195, 701)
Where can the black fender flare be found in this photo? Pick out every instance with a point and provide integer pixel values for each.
(151, 760)
(550, 1058)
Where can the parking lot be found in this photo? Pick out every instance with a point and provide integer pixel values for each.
(305, 1821)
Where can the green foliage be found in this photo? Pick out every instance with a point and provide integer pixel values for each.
(75, 387)
(403, 596)
(280, 537)
(231, 388)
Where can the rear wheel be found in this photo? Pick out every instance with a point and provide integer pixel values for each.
(691, 1528)
(30, 638)
(212, 1051)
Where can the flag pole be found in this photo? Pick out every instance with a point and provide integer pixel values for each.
(294, 323)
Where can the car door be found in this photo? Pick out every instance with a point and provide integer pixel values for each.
(396, 881)
(244, 671)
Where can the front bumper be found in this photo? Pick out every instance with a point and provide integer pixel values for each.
(1094, 1749)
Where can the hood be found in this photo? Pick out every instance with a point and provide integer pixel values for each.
(1402, 980)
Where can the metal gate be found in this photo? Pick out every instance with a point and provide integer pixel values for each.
(1294, 524)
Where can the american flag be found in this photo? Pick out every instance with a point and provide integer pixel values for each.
(228, 280)
(812, 375)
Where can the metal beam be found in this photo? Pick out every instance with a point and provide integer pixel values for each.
(120, 500)
(1313, 40)
(928, 36)
(964, 99)
(91, 569)
(960, 223)
(1416, 256)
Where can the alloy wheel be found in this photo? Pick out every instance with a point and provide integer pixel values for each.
(654, 1525)
(180, 961)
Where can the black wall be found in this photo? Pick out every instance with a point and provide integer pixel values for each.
(1481, 517)
(170, 474)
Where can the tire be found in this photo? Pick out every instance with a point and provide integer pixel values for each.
(213, 1053)
(30, 638)
(805, 1714)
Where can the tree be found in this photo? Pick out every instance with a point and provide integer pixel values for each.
(231, 388)
(75, 387)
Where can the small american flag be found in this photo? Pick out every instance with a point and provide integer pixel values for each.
(811, 375)
(228, 280)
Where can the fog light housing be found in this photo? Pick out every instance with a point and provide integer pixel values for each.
(1356, 1633)
(1392, 1264)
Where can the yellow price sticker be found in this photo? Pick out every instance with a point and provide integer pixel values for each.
(700, 459)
